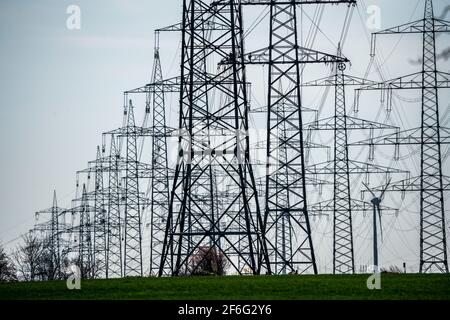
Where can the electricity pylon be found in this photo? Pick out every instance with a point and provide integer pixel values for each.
(54, 231)
(100, 218)
(286, 220)
(100, 197)
(126, 201)
(430, 136)
(85, 261)
(159, 197)
(114, 261)
(213, 136)
(341, 167)
(132, 210)
(131, 197)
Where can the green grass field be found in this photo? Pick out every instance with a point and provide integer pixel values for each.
(393, 286)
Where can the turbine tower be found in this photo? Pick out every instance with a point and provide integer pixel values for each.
(376, 202)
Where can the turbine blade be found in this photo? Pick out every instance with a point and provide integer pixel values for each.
(368, 189)
(385, 188)
(379, 218)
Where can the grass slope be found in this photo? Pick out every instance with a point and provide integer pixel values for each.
(393, 286)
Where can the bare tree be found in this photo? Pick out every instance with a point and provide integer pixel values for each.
(7, 269)
(48, 264)
(208, 261)
(28, 258)
(88, 271)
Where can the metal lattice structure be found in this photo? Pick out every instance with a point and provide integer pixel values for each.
(209, 204)
(160, 173)
(53, 235)
(132, 210)
(341, 167)
(343, 254)
(85, 261)
(114, 261)
(286, 219)
(100, 217)
(430, 136)
(190, 227)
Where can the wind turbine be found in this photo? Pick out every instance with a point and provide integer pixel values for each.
(376, 201)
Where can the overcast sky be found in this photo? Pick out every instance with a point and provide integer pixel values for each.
(60, 88)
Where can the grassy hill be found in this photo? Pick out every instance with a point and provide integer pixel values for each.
(393, 286)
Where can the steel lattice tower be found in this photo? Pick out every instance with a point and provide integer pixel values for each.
(430, 136)
(133, 234)
(85, 241)
(160, 174)
(54, 233)
(341, 167)
(342, 219)
(286, 219)
(286, 207)
(55, 236)
(114, 241)
(193, 227)
(100, 219)
(433, 249)
(54, 240)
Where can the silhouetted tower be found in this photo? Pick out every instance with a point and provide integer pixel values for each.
(286, 207)
(114, 266)
(341, 167)
(286, 219)
(160, 174)
(54, 234)
(100, 216)
(133, 234)
(85, 237)
(193, 227)
(54, 241)
(343, 256)
(430, 136)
